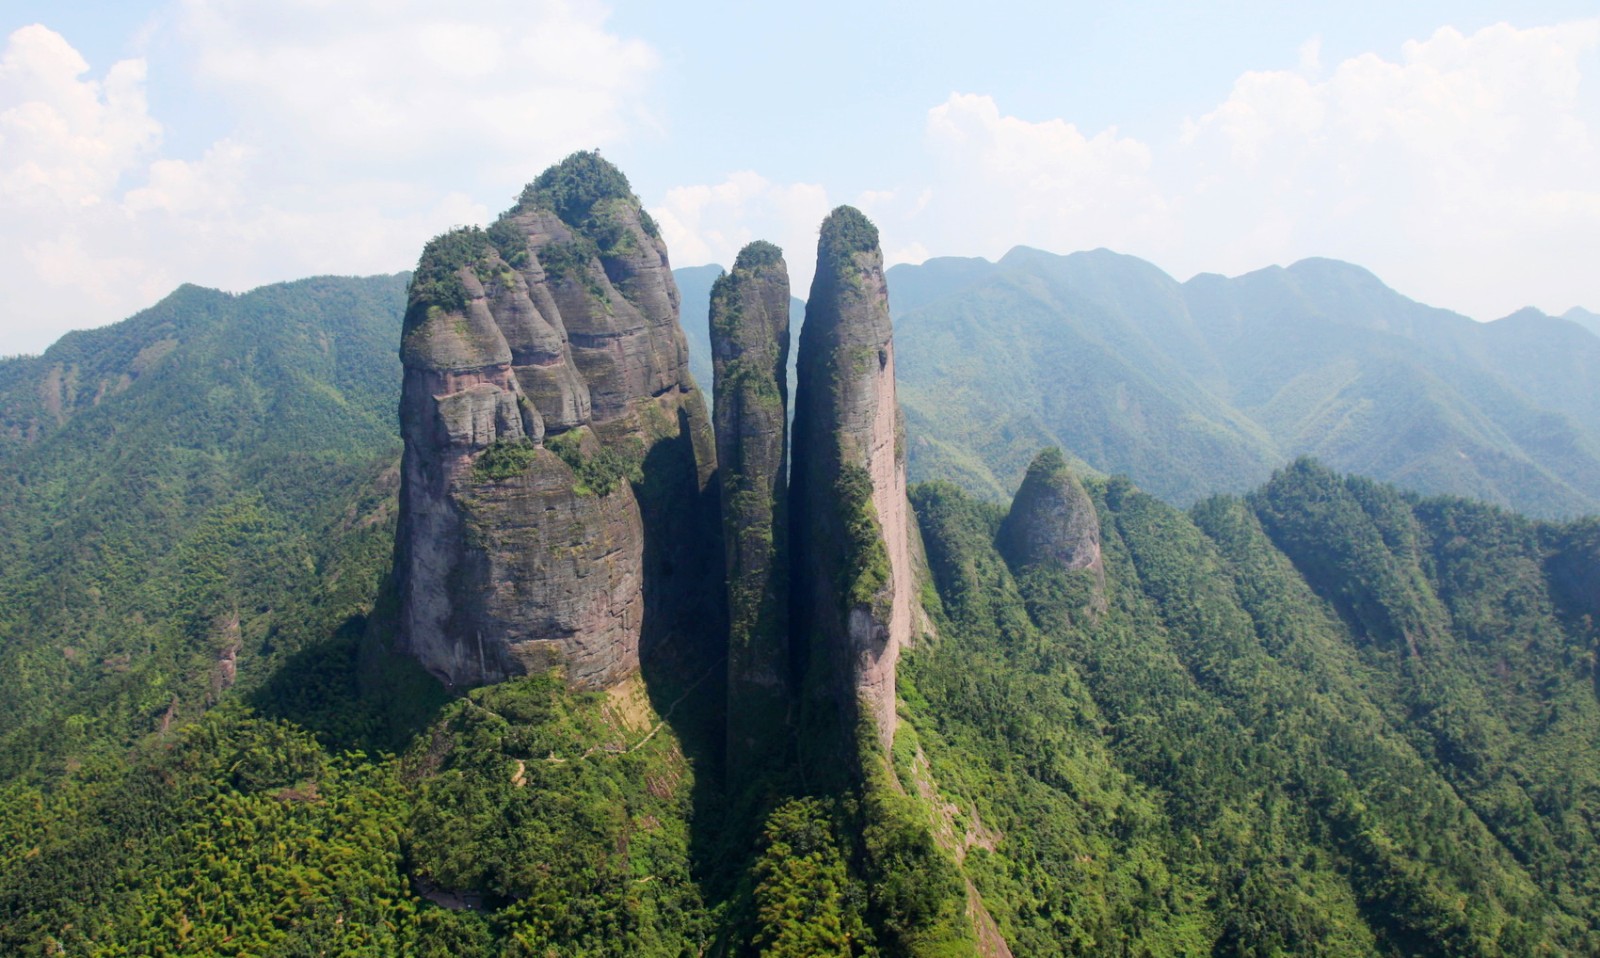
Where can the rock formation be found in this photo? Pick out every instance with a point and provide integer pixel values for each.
(1053, 523)
(853, 588)
(750, 356)
(553, 504)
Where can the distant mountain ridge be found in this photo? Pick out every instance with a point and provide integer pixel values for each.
(1583, 317)
(1204, 386)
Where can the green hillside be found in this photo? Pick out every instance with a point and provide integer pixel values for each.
(1205, 386)
(1325, 719)
(190, 497)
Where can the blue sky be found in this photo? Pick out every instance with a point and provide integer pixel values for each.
(1453, 148)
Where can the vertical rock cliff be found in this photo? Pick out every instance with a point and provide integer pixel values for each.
(851, 557)
(554, 504)
(750, 355)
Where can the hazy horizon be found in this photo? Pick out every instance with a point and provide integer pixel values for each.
(1451, 149)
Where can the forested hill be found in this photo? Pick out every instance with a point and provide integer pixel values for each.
(180, 492)
(1326, 718)
(1206, 386)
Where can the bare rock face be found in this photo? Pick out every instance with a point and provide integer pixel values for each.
(557, 453)
(852, 561)
(1053, 523)
(750, 355)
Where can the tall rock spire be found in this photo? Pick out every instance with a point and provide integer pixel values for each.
(556, 451)
(851, 554)
(750, 354)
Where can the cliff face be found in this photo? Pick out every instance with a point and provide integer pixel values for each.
(554, 501)
(852, 562)
(750, 356)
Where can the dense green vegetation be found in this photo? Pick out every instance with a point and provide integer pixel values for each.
(694, 286)
(585, 190)
(598, 470)
(1327, 717)
(846, 232)
(1205, 386)
(205, 748)
(208, 490)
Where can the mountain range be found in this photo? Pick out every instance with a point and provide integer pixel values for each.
(584, 654)
(1206, 386)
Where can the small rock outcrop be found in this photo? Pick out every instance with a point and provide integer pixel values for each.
(1053, 522)
(750, 355)
(853, 588)
(557, 454)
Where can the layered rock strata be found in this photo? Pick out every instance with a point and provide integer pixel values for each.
(557, 454)
(750, 354)
(1053, 524)
(851, 556)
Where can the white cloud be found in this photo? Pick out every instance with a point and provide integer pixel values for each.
(1005, 181)
(404, 84)
(65, 141)
(355, 131)
(710, 223)
(1467, 173)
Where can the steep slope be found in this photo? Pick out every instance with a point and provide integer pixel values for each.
(694, 292)
(1588, 319)
(197, 755)
(558, 454)
(1337, 365)
(1328, 719)
(1044, 353)
(188, 498)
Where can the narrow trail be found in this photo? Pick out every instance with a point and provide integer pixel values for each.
(665, 716)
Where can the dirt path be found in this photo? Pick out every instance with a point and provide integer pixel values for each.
(612, 750)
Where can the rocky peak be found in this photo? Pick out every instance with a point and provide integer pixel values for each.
(546, 388)
(853, 579)
(750, 352)
(1053, 522)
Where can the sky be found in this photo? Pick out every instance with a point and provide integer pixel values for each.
(1453, 148)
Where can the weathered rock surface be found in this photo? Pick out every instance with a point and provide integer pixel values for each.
(557, 323)
(851, 553)
(1053, 522)
(750, 353)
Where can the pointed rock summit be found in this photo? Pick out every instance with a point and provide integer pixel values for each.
(851, 555)
(750, 354)
(1053, 522)
(546, 380)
